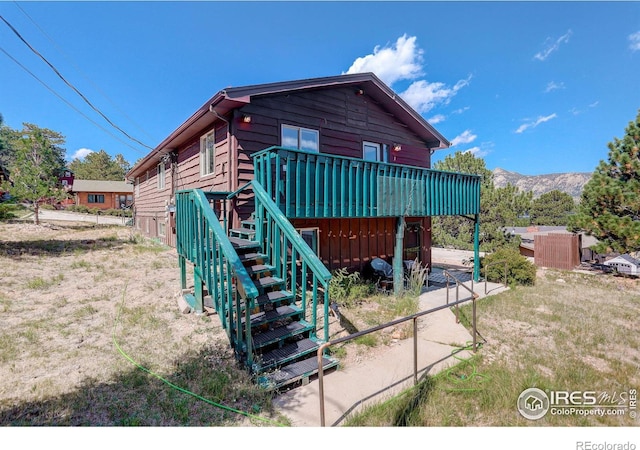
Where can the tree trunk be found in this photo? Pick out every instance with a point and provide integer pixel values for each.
(36, 210)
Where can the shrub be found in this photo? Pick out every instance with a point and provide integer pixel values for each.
(416, 278)
(6, 211)
(347, 288)
(520, 271)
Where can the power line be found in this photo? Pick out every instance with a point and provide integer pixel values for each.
(65, 101)
(68, 58)
(71, 85)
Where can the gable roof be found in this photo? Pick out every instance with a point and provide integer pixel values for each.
(624, 258)
(235, 97)
(102, 186)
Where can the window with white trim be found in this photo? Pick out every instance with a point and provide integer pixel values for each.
(161, 228)
(207, 153)
(300, 138)
(161, 175)
(372, 151)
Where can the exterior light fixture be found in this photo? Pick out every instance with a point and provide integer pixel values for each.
(360, 92)
(246, 118)
(396, 147)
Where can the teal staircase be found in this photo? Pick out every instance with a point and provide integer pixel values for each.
(263, 281)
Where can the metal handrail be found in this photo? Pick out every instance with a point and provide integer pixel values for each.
(459, 283)
(413, 318)
(494, 264)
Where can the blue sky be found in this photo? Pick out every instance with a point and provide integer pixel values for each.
(531, 87)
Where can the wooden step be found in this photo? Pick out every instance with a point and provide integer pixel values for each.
(243, 244)
(242, 232)
(279, 313)
(268, 282)
(275, 335)
(258, 269)
(289, 352)
(294, 372)
(274, 297)
(252, 257)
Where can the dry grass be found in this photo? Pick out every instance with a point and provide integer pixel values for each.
(80, 305)
(571, 331)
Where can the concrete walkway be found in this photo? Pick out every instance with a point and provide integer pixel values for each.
(374, 380)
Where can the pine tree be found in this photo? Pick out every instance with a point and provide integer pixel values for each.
(609, 207)
(552, 208)
(38, 160)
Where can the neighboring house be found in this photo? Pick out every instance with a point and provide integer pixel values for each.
(624, 264)
(266, 188)
(103, 194)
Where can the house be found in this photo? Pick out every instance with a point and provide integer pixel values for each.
(624, 264)
(102, 194)
(267, 188)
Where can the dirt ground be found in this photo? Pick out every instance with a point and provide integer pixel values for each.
(73, 295)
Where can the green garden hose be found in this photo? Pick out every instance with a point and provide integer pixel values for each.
(170, 384)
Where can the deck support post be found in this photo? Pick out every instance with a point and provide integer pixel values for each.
(476, 249)
(398, 270)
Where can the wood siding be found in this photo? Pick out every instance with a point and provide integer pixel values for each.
(352, 243)
(110, 199)
(343, 119)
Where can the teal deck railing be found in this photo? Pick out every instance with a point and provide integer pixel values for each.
(202, 240)
(317, 185)
(295, 262)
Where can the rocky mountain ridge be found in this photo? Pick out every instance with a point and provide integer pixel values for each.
(571, 182)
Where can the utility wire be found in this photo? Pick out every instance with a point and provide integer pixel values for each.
(79, 71)
(65, 101)
(71, 85)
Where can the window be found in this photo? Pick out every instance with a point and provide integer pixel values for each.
(161, 228)
(300, 138)
(207, 153)
(95, 198)
(372, 151)
(161, 175)
(310, 236)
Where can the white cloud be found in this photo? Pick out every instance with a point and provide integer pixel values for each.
(551, 46)
(423, 95)
(81, 153)
(634, 41)
(401, 61)
(461, 110)
(477, 152)
(404, 61)
(465, 138)
(552, 86)
(437, 119)
(535, 123)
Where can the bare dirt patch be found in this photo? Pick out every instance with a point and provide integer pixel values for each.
(81, 306)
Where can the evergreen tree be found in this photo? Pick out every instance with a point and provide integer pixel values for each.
(100, 166)
(35, 169)
(552, 208)
(498, 208)
(609, 206)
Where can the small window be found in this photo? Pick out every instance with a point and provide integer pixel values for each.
(95, 198)
(207, 153)
(161, 175)
(300, 138)
(161, 228)
(372, 151)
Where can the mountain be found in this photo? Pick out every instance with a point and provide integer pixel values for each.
(571, 182)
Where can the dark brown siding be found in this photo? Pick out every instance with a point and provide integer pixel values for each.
(560, 251)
